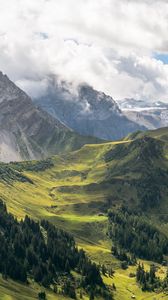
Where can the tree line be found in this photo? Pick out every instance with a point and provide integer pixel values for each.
(149, 281)
(134, 233)
(40, 251)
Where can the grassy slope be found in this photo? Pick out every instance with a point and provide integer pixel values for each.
(72, 193)
(10, 290)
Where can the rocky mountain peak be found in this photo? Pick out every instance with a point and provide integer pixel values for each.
(89, 112)
(98, 102)
(28, 132)
(9, 91)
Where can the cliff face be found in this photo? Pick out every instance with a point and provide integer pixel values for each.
(27, 132)
(90, 112)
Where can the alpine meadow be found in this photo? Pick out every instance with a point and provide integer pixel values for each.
(83, 150)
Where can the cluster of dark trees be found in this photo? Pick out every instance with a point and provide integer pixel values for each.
(148, 279)
(125, 258)
(132, 232)
(8, 174)
(149, 187)
(43, 252)
(36, 166)
(42, 296)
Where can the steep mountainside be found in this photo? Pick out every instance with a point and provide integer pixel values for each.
(134, 170)
(75, 191)
(89, 112)
(151, 118)
(35, 251)
(148, 114)
(27, 132)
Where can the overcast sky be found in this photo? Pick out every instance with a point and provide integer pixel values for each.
(117, 46)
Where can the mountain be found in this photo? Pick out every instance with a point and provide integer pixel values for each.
(106, 194)
(151, 118)
(138, 105)
(111, 197)
(88, 111)
(27, 132)
(151, 115)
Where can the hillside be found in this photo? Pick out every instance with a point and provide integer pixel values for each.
(40, 252)
(87, 111)
(27, 132)
(74, 192)
(98, 172)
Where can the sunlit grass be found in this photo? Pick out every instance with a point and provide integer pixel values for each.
(76, 208)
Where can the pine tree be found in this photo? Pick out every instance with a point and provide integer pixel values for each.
(42, 296)
(91, 297)
(67, 266)
(81, 294)
(104, 270)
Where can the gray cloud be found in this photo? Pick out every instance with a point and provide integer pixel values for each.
(108, 44)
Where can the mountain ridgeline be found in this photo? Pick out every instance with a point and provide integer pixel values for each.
(88, 112)
(152, 115)
(108, 198)
(27, 132)
(138, 164)
(120, 184)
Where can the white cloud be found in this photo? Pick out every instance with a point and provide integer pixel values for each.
(109, 44)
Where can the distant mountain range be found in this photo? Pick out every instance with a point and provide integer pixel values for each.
(27, 132)
(88, 112)
(138, 105)
(152, 115)
(111, 193)
(62, 121)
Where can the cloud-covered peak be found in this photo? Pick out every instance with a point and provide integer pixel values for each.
(115, 46)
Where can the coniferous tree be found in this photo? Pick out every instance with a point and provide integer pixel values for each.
(45, 253)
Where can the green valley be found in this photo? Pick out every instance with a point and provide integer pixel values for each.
(74, 192)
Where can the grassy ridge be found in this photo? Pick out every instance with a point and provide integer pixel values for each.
(74, 191)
